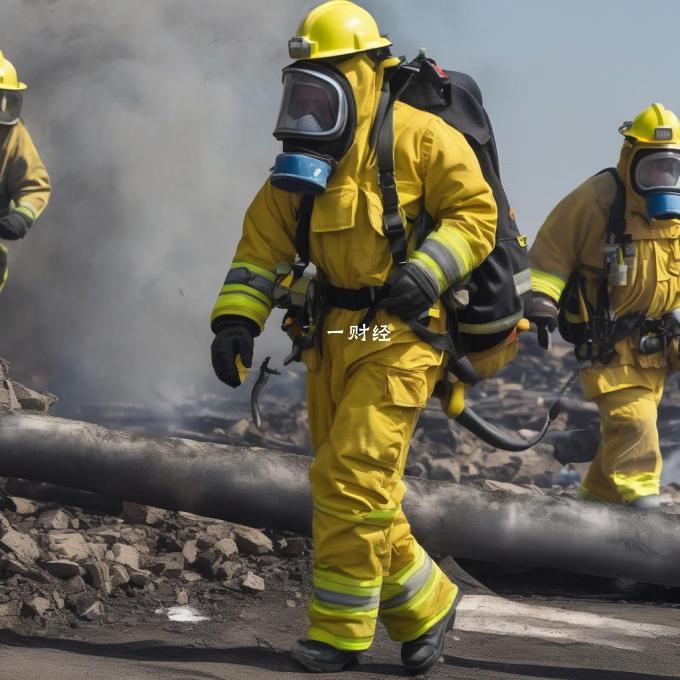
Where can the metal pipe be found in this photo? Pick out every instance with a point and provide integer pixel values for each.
(270, 489)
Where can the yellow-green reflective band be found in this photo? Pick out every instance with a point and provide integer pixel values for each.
(412, 586)
(549, 284)
(351, 644)
(256, 269)
(457, 246)
(378, 518)
(230, 288)
(27, 210)
(325, 578)
(432, 620)
(423, 593)
(444, 258)
(432, 266)
(241, 304)
(491, 326)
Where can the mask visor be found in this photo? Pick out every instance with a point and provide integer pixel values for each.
(313, 106)
(658, 171)
(10, 107)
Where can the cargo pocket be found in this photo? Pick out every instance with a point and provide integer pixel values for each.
(406, 388)
(334, 210)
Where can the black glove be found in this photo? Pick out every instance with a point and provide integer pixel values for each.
(233, 337)
(410, 291)
(14, 226)
(543, 312)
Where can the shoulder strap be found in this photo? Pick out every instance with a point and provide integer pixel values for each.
(304, 218)
(616, 224)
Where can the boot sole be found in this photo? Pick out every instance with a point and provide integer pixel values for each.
(317, 667)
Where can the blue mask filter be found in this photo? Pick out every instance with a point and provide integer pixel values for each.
(301, 173)
(662, 205)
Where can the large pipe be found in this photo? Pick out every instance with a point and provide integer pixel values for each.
(270, 489)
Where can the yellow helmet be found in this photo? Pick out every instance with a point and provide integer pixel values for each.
(655, 125)
(8, 75)
(335, 28)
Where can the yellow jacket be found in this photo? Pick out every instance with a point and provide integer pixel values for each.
(573, 235)
(435, 168)
(24, 183)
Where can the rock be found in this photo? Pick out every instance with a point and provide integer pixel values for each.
(98, 572)
(24, 506)
(170, 565)
(445, 469)
(239, 428)
(108, 537)
(205, 541)
(24, 547)
(36, 606)
(53, 519)
(8, 398)
(135, 513)
(98, 550)
(228, 570)
(252, 541)
(64, 569)
(220, 530)
(494, 485)
(69, 546)
(182, 597)
(119, 575)
(58, 600)
(133, 535)
(94, 612)
(191, 576)
(31, 400)
(125, 555)
(226, 547)
(138, 577)
(251, 583)
(295, 546)
(74, 585)
(207, 562)
(502, 459)
(190, 552)
(11, 608)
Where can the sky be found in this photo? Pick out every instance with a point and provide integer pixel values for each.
(154, 119)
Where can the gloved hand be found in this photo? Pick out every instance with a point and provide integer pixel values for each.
(543, 312)
(410, 291)
(15, 225)
(233, 337)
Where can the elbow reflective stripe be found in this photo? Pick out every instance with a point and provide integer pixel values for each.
(445, 260)
(457, 246)
(551, 285)
(522, 281)
(416, 579)
(27, 210)
(245, 275)
(379, 517)
(432, 267)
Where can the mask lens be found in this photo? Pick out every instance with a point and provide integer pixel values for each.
(10, 107)
(659, 170)
(313, 106)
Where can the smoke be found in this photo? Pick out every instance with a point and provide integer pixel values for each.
(154, 120)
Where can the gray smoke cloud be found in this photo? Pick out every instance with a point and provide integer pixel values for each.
(154, 119)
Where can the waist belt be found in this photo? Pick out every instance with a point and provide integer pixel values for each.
(352, 298)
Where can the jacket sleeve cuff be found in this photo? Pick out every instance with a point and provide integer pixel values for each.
(550, 285)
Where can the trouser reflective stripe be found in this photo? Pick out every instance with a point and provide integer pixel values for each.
(410, 587)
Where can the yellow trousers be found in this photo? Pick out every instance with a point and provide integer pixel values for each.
(628, 462)
(363, 400)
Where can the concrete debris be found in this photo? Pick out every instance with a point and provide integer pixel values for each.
(63, 569)
(53, 519)
(24, 507)
(36, 606)
(252, 583)
(70, 546)
(24, 547)
(252, 541)
(135, 513)
(125, 555)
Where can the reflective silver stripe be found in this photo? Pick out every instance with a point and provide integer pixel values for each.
(244, 276)
(522, 281)
(492, 326)
(412, 585)
(444, 258)
(360, 602)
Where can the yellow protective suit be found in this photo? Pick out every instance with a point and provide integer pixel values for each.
(628, 389)
(364, 396)
(24, 184)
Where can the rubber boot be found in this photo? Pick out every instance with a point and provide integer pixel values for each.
(319, 657)
(422, 653)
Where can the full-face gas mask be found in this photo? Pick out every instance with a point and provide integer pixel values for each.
(655, 175)
(316, 124)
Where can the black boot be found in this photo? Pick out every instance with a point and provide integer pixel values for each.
(422, 653)
(320, 657)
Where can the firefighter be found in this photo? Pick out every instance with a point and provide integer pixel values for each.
(363, 397)
(24, 184)
(615, 240)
